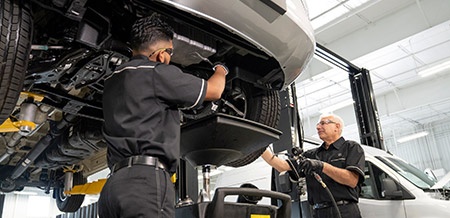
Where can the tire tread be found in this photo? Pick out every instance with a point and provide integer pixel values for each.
(266, 109)
(15, 45)
(72, 203)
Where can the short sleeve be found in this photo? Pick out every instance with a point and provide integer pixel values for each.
(355, 159)
(176, 87)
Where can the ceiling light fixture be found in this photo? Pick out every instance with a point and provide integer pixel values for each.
(411, 137)
(337, 106)
(435, 69)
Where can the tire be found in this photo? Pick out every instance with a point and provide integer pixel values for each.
(72, 203)
(15, 46)
(263, 107)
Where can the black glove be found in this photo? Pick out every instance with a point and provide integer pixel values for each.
(294, 173)
(311, 165)
(222, 65)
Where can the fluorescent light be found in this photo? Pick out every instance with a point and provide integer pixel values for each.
(336, 106)
(324, 12)
(411, 137)
(435, 69)
(24, 193)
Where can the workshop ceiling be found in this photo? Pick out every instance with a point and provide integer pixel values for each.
(396, 40)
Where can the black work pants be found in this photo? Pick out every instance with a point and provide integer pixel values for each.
(138, 191)
(347, 211)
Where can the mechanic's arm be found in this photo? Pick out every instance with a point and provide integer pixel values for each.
(216, 84)
(275, 162)
(342, 176)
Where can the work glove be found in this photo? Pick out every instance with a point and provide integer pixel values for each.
(311, 165)
(222, 65)
(295, 173)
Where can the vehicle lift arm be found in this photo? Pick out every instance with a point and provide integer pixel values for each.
(364, 99)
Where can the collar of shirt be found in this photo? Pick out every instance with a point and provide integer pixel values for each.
(139, 57)
(337, 144)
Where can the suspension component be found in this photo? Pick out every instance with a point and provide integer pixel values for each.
(26, 122)
(68, 180)
(27, 115)
(11, 146)
(43, 143)
(14, 126)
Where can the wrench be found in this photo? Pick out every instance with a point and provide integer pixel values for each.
(203, 58)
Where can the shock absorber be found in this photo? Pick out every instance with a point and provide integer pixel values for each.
(27, 116)
(68, 180)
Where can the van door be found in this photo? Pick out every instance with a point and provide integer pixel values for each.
(373, 201)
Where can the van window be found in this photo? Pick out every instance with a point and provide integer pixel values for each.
(371, 187)
(409, 172)
(367, 188)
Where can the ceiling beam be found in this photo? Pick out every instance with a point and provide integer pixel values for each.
(384, 30)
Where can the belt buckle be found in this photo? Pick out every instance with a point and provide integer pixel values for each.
(320, 206)
(130, 161)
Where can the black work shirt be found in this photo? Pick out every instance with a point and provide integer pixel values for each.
(140, 108)
(342, 154)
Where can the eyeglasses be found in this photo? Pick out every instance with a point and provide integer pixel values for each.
(168, 50)
(323, 122)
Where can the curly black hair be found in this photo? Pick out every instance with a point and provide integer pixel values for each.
(149, 30)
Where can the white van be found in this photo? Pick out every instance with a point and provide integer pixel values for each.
(392, 187)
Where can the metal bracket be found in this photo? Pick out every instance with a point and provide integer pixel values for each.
(69, 103)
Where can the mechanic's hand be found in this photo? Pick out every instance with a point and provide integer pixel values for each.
(295, 173)
(311, 165)
(221, 65)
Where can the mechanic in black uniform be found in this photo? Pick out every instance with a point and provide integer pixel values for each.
(339, 162)
(142, 123)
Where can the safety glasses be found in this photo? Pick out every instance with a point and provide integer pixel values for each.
(168, 50)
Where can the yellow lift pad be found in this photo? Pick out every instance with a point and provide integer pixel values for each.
(36, 97)
(259, 216)
(94, 188)
(9, 126)
(91, 188)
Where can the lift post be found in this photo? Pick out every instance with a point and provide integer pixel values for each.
(366, 115)
(364, 100)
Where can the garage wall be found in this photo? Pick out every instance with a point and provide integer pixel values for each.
(29, 206)
(404, 112)
(431, 151)
(34, 203)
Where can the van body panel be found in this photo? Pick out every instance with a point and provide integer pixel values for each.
(427, 207)
(371, 208)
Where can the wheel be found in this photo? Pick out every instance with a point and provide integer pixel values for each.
(8, 186)
(246, 101)
(70, 203)
(262, 106)
(15, 46)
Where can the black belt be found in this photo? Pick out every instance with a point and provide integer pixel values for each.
(329, 204)
(138, 160)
